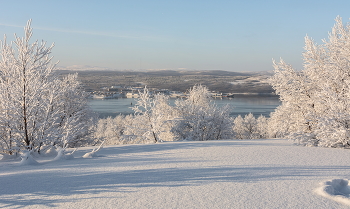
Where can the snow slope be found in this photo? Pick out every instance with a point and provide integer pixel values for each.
(210, 174)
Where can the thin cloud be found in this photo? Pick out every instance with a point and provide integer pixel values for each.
(95, 33)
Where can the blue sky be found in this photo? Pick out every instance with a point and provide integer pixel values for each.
(191, 34)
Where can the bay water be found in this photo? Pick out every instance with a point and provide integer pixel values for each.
(240, 105)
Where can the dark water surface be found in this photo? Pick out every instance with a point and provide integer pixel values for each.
(241, 105)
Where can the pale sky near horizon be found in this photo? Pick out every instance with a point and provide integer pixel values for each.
(184, 34)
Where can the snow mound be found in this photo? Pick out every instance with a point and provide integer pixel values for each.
(90, 155)
(62, 155)
(27, 159)
(336, 189)
(50, 152)
(93, 153)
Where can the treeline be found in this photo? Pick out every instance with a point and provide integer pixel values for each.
(195, 118)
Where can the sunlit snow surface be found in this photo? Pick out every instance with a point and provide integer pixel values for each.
(211, 174)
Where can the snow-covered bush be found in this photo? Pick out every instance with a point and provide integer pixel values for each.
(200, 119)
(152, 114)
(316, 100)
(111, 130)
(37, 108)
(239, 127)
(262, 127)
(249, 127)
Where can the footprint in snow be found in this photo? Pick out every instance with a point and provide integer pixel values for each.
(336, 189)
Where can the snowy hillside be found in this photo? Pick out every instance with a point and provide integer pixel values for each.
(210, 174)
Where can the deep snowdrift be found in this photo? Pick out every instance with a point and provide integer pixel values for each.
(210, 174)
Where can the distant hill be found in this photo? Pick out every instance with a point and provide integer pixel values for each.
(177, 80)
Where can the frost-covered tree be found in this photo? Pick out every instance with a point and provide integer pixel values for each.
(75, 118)
(250, 127)
(250, 124)
(239, 128)
(200, 119)
(262, 127)
(37, 108)
(109, 130)
(152, 114)
(315, 106)
(115, 131)
(296, 93)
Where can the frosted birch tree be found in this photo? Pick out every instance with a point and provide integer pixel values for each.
(152, 114)
(262, 127)
(37, 108)
(316, 100)
(250, 127)
(200, 119)
(250, 124)
(239, 128)
(115, 130)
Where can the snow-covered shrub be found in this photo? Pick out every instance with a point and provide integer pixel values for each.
(262, 127)
(152, 115)
(249, 127)
(239, 127)
(200, 119)
(250, 124)
(111, 130)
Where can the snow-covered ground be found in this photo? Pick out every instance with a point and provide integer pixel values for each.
(210, 174)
